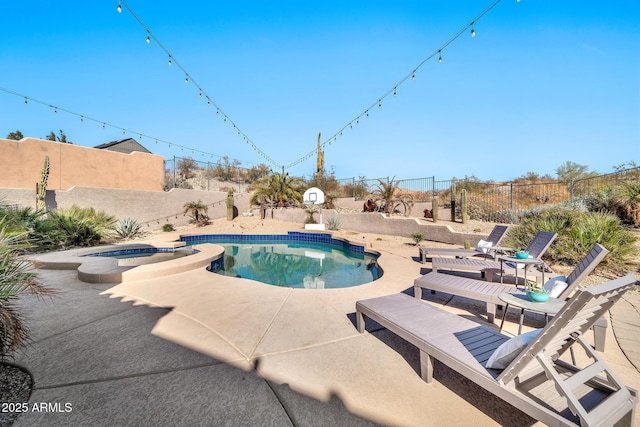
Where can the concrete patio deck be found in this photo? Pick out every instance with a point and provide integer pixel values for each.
(195, 348)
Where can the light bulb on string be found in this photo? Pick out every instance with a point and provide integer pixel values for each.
(169, 63)
(148, 40)
(440, 57)
(473, 31)
(200, 95)
(413, 76)
(119, 8)
(394, 91)
(208, 103)
(81, 119)
(25, 101)
(103, 126)
(379, 104)
(186, 79)
(55, 111)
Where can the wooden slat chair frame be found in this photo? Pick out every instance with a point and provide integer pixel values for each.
(488, 292)
(538, 246)
(537, 381)
(496, 235)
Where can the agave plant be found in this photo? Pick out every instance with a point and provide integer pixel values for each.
(334, 223)
(128, 228)
(17, 278)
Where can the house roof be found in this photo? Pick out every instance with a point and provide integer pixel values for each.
(126, 145)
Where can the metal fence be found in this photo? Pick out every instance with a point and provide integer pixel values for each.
(185, 172)
(489, 201)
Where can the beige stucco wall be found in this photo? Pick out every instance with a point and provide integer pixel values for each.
(73, 165)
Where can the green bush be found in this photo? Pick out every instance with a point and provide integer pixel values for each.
(578, 230)
(168, 227)
(417, 237)
(81, 226)
(128, 228)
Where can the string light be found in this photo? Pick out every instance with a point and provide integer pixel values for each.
(379, 101)
(437, 53)
(25, 101)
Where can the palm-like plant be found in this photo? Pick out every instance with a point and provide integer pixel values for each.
(82, 226)
(198, 212)
(278, 190)
(16, 279)
(390, 200)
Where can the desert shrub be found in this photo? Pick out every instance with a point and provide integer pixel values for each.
(417, 237)
(333, 223)
(81, 226)
(128, 228)
(578, 230)
(168, 227)
(623, 201)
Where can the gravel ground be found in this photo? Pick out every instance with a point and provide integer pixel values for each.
(15, 390)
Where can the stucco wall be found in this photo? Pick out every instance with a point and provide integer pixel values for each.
(73, 165)
(157, 208)
(379, 223)
(154, 208)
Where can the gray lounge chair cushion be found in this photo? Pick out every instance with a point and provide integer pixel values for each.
(509, 350)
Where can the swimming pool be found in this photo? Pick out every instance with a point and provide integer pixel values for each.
(294, 260)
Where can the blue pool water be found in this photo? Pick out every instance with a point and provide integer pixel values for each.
(294, 260)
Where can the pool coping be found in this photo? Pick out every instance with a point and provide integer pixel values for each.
(97, 269)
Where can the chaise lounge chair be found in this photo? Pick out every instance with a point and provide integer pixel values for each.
(538, 246)
(536, 381)
(496, 235)
(488, 292)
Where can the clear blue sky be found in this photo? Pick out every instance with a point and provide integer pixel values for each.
(543, 82)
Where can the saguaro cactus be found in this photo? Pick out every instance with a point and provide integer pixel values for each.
(463, 205)
(230, 205)
(41, 188)
(434, 208)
